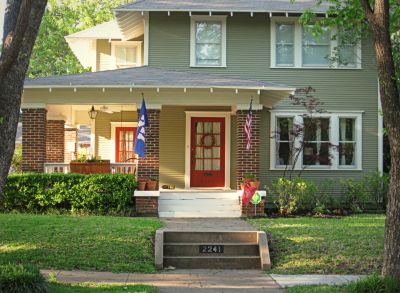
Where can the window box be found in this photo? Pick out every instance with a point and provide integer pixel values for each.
(101, 167)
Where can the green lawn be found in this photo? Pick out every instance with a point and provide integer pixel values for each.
(98, 288)
(349, 245)
(114, 244)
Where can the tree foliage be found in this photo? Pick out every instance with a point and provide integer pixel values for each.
(51, 54)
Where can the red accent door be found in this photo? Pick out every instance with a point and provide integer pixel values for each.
(124, 144)
(207, 152)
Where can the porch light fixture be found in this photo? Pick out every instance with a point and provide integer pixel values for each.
(92, 113)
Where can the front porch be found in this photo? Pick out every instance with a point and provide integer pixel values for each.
(195, 143)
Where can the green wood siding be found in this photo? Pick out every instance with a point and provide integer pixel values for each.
(248, 56)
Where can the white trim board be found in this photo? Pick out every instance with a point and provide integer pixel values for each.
(114, 126)
(227, 116)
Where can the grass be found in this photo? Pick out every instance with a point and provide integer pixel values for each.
(99, 287)
(305, 245)
(113, 244)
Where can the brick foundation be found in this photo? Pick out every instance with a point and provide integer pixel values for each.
(71, 144)
(249, 211)
(150, 165)
(34, 127)
(146, 206)
(55, 141)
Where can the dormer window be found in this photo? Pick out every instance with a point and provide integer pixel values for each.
(208, 41)
(127, 54)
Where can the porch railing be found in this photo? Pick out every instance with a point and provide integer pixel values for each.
(115, 168)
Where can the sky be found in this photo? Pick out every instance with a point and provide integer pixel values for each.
(2, 8)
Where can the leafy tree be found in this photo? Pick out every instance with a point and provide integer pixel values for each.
(21, 25)
(51, 54)
(356, 19)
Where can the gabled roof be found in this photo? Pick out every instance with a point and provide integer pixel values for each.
(106, 30)
(224, 5)
(150, 77)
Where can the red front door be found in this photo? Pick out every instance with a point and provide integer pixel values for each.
(124, 144)
(207, 156)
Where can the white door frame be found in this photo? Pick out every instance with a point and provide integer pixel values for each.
(227, 116)
(114, 126)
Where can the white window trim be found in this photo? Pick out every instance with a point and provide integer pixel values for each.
(227, 116)
(131, 44)
(114, 126)
(298, 56)
(334, 139)
(193, 20)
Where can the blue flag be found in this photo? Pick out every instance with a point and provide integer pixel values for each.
(140, 140)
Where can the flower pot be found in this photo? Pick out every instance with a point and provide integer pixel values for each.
(242, 186)
(247, 180)
(282, 211)
(151, 185)
(255, 184)
(141, 185)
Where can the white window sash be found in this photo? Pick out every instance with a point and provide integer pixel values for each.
(127, 44)
(204, 18)
(334, 117)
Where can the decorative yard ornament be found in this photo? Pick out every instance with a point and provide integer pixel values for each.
(248, 125)
(92, 113)
(248, 193)
(256, 198)
(140, 140)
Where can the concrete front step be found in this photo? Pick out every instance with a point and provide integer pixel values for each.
(247, 237)
(216, 262)
(192, 249)
(200, 214)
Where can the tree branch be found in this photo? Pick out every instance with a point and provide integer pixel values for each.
(14, 36)
(369, 13)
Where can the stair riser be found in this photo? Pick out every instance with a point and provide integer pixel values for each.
(210, 237)
(213, 263)
(200, 214)
(193, 250)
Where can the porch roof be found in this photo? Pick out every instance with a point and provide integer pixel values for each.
(225, 6)
(150, 77)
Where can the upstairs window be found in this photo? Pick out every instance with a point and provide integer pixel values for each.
(208, 41)
(294, 45)
(127, 54)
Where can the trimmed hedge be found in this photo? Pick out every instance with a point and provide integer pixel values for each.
(101, 194)
(21, 279)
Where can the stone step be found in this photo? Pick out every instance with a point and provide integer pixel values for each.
(213, 262)
(198, 195)
(200, 214)
(193, 249)
(247, 237)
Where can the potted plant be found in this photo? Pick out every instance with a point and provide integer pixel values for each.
(250, 179)
(151, 183)
(93, 165)
(141, 184)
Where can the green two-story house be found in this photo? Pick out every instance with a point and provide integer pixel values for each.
(198, 64)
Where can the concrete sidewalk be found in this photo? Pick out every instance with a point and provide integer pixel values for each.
(253, 281)
(179, 281)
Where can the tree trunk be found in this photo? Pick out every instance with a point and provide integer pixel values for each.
(390, 99)
(21, 25)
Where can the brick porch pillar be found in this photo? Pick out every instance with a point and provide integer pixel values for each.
(248, 161)
(34, 126)
(150, 165)
(55, 141)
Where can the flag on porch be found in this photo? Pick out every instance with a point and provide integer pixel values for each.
(248, 125)
(140, 140)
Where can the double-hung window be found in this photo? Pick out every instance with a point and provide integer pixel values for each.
(295, 45)
(327, 141)
(127, 54)
(208, 41)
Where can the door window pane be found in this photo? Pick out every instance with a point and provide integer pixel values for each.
(208, 43)
(284, 44)
(316, 49)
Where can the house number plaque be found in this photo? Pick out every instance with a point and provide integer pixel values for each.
(211, 248)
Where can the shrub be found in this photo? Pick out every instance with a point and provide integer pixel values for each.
(294, 195)
(355, 193)
(19, 278)
(16, 160)
(375, 284)
(378, 186)
(72, 193)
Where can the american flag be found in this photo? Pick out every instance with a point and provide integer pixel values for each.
(247, 126)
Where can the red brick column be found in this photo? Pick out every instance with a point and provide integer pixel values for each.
(33, 139)
(146, 206)
(247, 161)
(55, 141)
(71, 137)
(150, 165)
